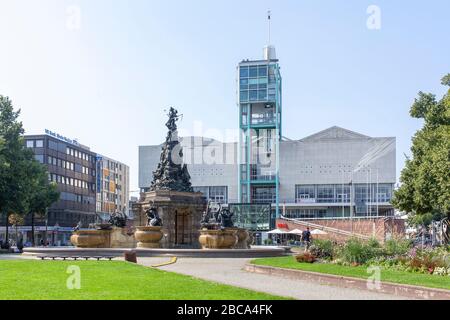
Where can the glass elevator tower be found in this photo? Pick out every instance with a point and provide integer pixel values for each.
(259, 101)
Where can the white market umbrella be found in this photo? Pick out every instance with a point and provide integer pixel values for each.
(317, 231)
(276, 231)
(296, 231)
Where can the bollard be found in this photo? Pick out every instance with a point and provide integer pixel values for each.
(130, 256)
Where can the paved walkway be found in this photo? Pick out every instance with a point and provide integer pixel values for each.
(229, 271)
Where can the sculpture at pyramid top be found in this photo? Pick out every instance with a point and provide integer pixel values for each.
(171, 174)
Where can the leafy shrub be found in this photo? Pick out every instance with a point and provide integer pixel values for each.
(395, 247)
(322, 249)
(355, 251)
(305, 257)
(268, 241)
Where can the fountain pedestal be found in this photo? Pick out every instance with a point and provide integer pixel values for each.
(181, 213)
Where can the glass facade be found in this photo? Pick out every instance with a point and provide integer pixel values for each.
(257, 83)
(259, 100)
(253, 217)
(368, 200)
(263, 194)
(338, 193)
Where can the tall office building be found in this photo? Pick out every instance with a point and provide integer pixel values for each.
(71, 166)
(259, 102)
(90, 186)
(112, 186)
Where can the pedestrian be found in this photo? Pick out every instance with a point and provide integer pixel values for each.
(306, 238)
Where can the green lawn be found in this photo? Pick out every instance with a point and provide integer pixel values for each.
(104, 280)
(403, 277)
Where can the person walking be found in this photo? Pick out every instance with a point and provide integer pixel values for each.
(306, 238)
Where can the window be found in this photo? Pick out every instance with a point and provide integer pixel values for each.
(53, 145)
(264, 195)
(325, 193)
(243, 96)
(262, 94)
(262, 71)
(217, 194)
(30, 143)
(305, 193)
(243, 72)
(39, 157)
(39, 143)
(253, 71)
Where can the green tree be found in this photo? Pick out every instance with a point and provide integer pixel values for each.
(21, 176)
(425, 181)
(44, 195)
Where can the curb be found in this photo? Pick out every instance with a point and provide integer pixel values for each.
(402, 290)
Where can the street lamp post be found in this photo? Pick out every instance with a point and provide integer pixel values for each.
(46, 227)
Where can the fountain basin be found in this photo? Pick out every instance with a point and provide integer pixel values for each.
(90, 238)
(148, 237)
(218, 239)
(243, 236)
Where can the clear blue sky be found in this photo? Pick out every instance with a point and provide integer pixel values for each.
(108, 81)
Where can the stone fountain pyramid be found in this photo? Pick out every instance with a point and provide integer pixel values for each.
(171, 194)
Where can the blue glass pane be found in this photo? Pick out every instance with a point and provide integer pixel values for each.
(262, 71)
(243, 72)
(244, 96)
(262, 80)
(253, 95)
(262, 94)
(253, 72)
(243, 81)
(253, 86)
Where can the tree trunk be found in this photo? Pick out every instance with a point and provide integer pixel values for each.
(32, 230)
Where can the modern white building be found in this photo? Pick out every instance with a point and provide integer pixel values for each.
(331, 174)
(322, 175)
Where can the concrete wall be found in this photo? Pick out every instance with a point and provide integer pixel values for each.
(380, 228)
(332, 156)
(210, 163)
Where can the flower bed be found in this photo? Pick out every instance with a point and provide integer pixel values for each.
(394, 254)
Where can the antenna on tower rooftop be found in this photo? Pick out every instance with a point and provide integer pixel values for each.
(269, 50)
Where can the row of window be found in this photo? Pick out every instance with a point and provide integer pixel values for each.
(61, 147)
(335, 193)
(69, 165)
(253, 71)
(67, 196)
(79, 154)
(35, 143)
(257, 83)
(264, 194)
(111, 165)
(71, 182)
